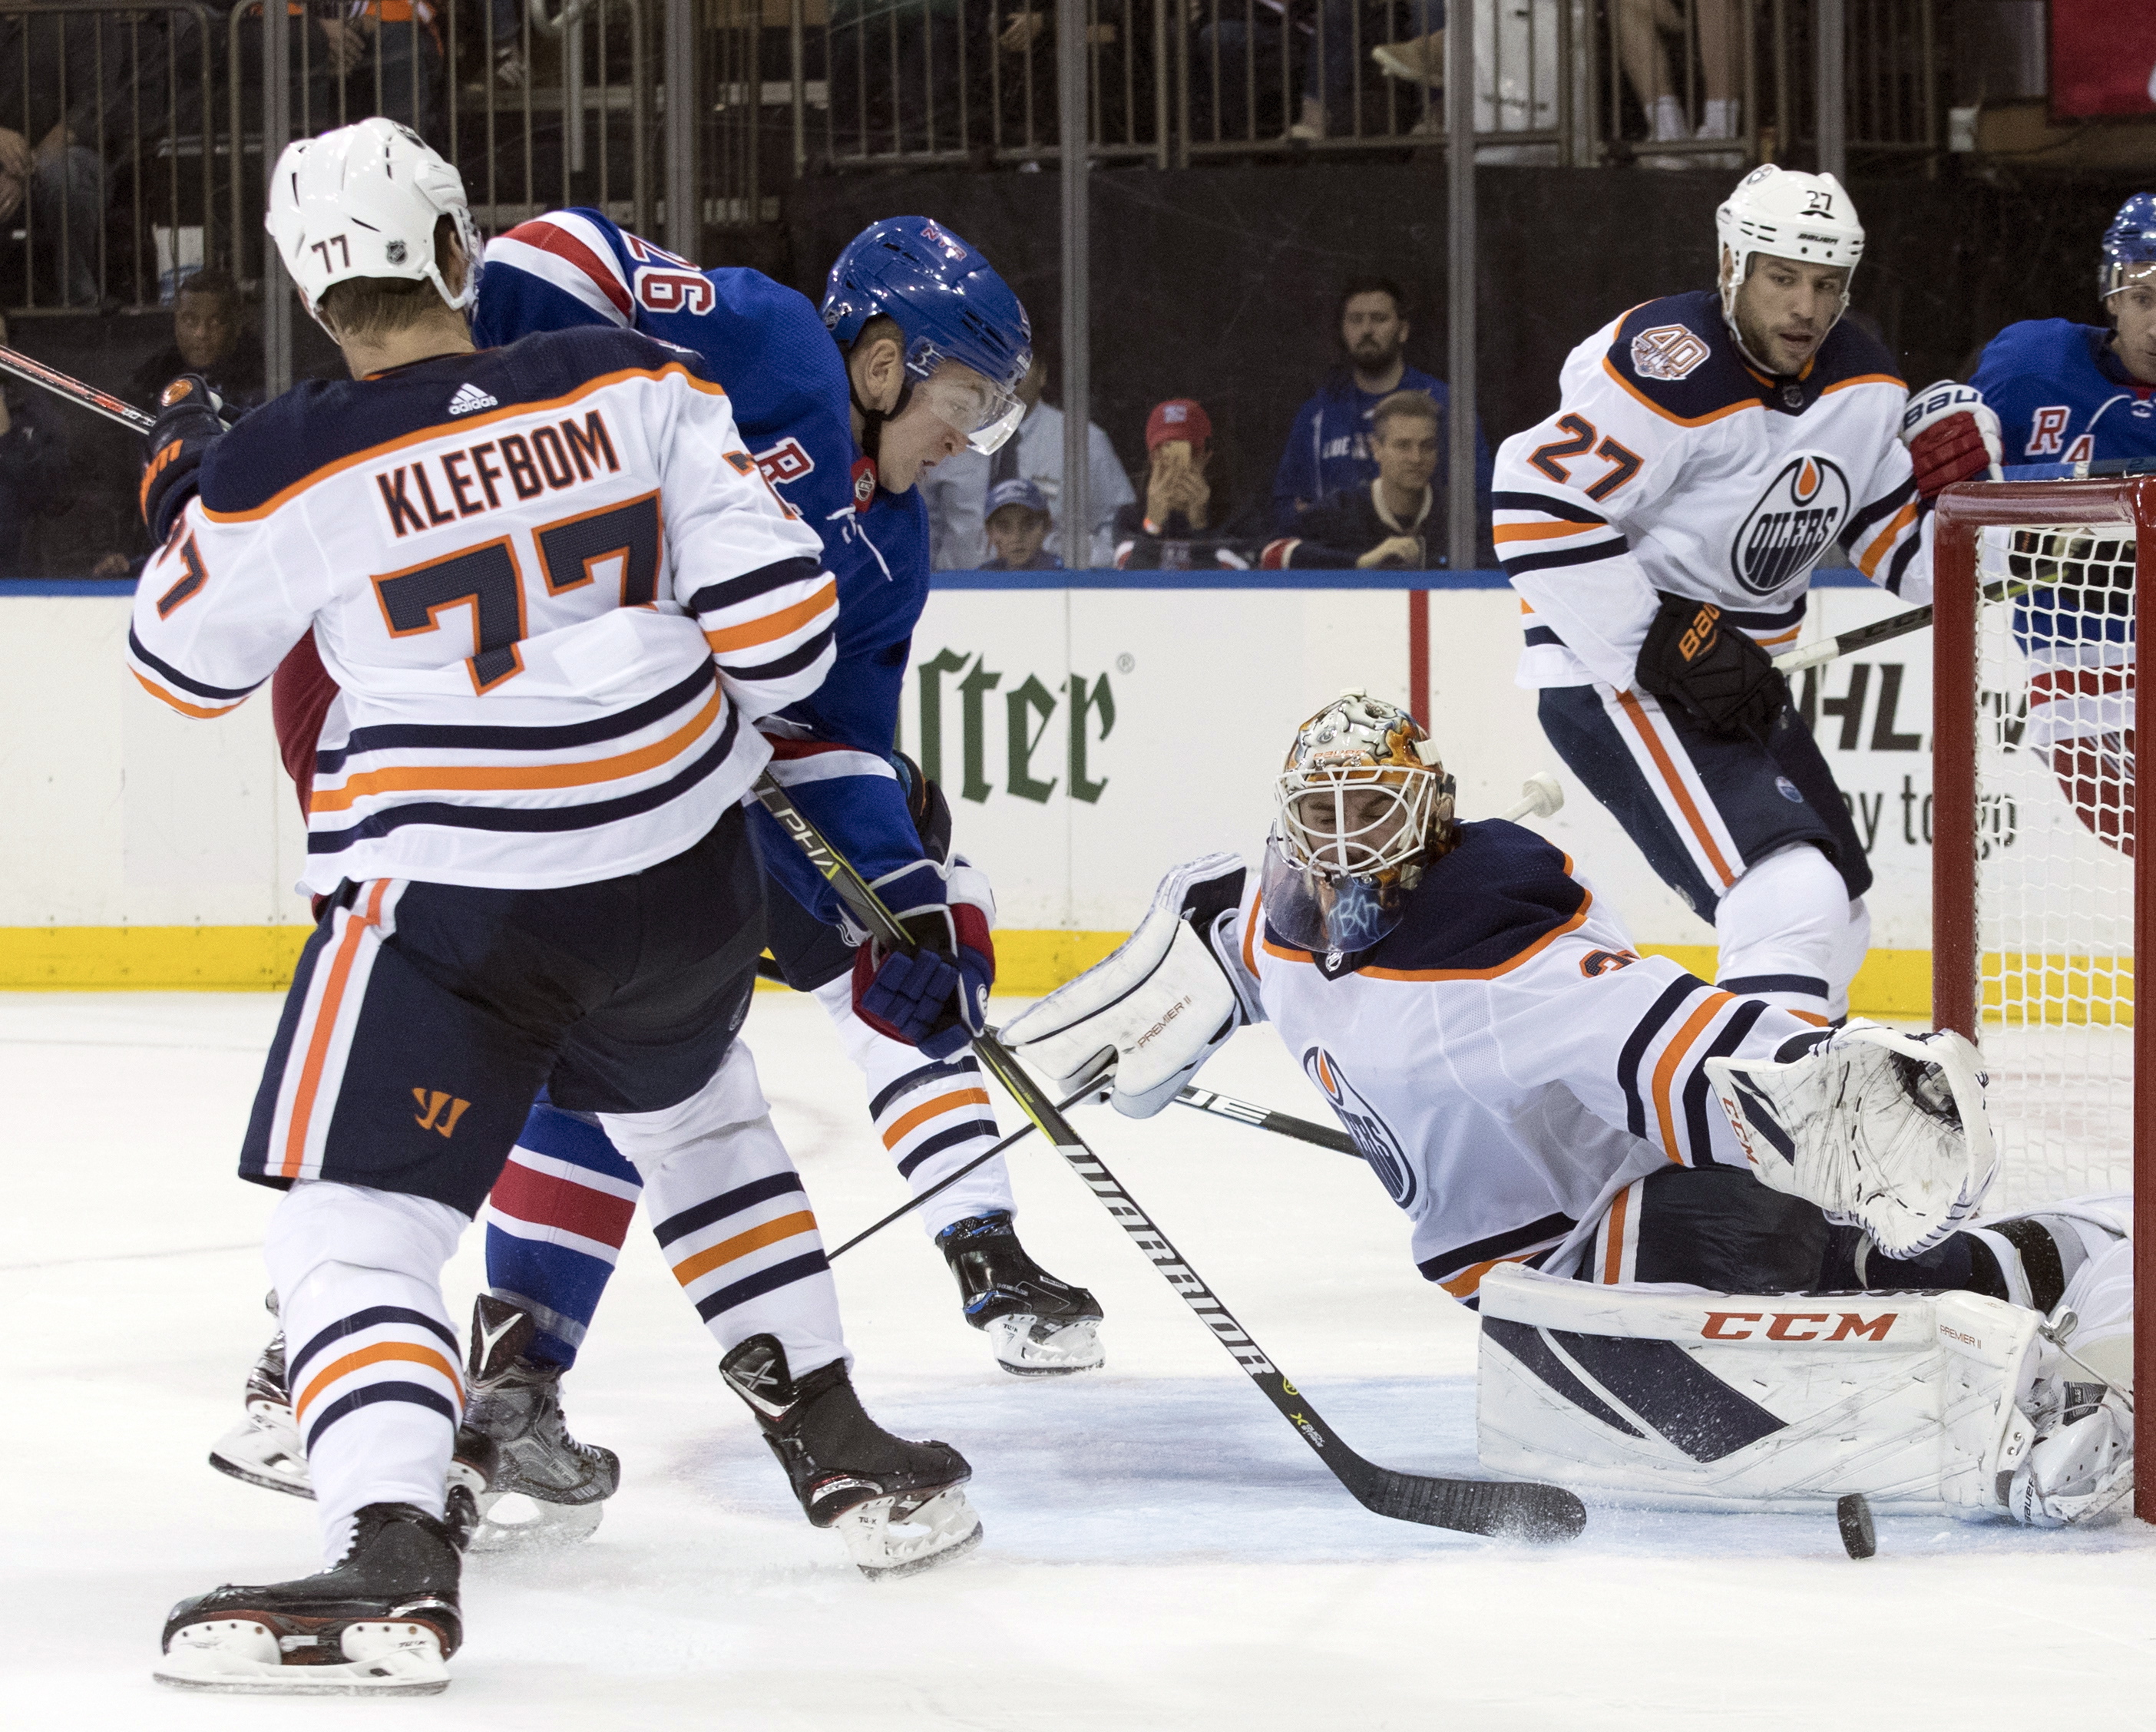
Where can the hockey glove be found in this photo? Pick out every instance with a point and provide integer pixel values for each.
(1952, 436)
(924, 803)
(937, 998)
(1710, 671)
(1160, 1007)
(188, 424)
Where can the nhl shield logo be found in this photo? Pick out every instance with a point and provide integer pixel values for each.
(1794, 521)
(1372, 1136)
(1668, 351)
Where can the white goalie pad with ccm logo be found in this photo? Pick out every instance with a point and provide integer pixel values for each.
(1752, 1402)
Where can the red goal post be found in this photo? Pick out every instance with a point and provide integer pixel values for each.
(2038, 915)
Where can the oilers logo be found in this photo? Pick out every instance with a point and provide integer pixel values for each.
(1795, 520)
(1372, 1136)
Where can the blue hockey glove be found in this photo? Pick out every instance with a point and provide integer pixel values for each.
(189, 422)
(937, 998)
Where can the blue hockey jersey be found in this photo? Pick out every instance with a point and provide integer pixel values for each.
(2061, 396)
(786, 381)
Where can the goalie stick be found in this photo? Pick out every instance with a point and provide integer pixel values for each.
(1514, 1509)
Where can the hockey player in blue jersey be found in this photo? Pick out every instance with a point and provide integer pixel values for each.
(2068, 393)
(841, 422)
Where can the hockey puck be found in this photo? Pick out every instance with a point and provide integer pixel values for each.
(1852, 1514)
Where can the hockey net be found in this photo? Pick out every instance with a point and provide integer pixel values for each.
(2038, 912)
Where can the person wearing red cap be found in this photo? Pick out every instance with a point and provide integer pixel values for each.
(1179, 522)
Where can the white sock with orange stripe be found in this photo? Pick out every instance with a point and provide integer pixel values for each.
(732, 1217)
(373, 1354)
(1790, 935)
(932, 1117)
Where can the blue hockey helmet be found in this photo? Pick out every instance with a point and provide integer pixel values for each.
(948, 300)
(2129, 245)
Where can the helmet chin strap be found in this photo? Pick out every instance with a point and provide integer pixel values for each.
(872, 420)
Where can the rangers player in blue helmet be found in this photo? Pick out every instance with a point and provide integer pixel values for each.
(917, 353)
(2067, 393)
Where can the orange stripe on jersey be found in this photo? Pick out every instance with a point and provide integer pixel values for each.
(1464, 1284)
(1868, 562)
(1787, 636)
(1613, 1232)
(1505, 532)
(1648, 402)
(460, 427)
(482, 777)
(1659, 754)
(742, 1243)
(196, 710)
(1525, 957)
(1817, 1021)
(376, 1354)
(1864, 379)
(1249, 931)
(318, 1041)
(782, 624)
(942, 1104)
(1667, 1069)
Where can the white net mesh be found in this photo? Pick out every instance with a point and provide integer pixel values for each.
(2054, 891)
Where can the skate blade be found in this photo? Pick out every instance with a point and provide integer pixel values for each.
(514, 1522)
(885, 1545)
(267, 1455)
(1026, 1347)
(240, 1658)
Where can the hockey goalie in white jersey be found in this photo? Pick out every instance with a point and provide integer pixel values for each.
(1662, 529)
(1598, 1149)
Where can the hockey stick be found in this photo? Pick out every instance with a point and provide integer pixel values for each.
(1521, 1510)
(1258, 1117)
(85, 396)
(1827, 649)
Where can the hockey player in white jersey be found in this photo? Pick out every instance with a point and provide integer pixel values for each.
(556, 595)
(1662, 529)
(1532, 1091)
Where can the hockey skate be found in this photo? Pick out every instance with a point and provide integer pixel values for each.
(897, 1504)
(1038, 1325)
(549, 1490)
(264, 1448)
(384, 1622)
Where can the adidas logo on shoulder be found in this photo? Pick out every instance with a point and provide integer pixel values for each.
(470, 399)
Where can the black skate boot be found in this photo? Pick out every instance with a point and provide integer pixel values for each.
(384, 1622)
(1039, 1326)
(516, 1401)
(264, 1448)
(849, 1472)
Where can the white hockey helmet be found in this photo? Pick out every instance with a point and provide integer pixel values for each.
(362, 201)
(1788, 214)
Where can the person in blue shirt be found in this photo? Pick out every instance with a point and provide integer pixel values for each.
(1328, 447)
(2069, 393)
(1018, 521)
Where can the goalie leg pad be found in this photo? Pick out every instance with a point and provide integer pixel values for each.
(1747, 1402)
(1883, 1130)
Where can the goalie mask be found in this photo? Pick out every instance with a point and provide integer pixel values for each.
(1364, 808)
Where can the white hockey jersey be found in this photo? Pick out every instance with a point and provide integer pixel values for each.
(1674, 467)
(1504, 1059)
(554, 589)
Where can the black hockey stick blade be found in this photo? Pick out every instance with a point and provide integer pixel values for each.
(1258, 1117)
(1510, 1509)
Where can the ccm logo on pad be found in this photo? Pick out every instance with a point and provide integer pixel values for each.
(1785, 1326)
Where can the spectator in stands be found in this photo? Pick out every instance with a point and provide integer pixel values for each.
(396, 42)
(1187, 520)
(1388, 522)
(957, 488)
(1644, 31)
(1018, 524)
(1328, 447)
(208, 337)
(34, 472)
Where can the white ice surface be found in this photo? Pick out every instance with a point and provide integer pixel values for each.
(1163, 1551)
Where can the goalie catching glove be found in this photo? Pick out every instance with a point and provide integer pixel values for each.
(1952, 435)
(1883, 1130)
(1160, 1007)
(937, 999)
(190, 420)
